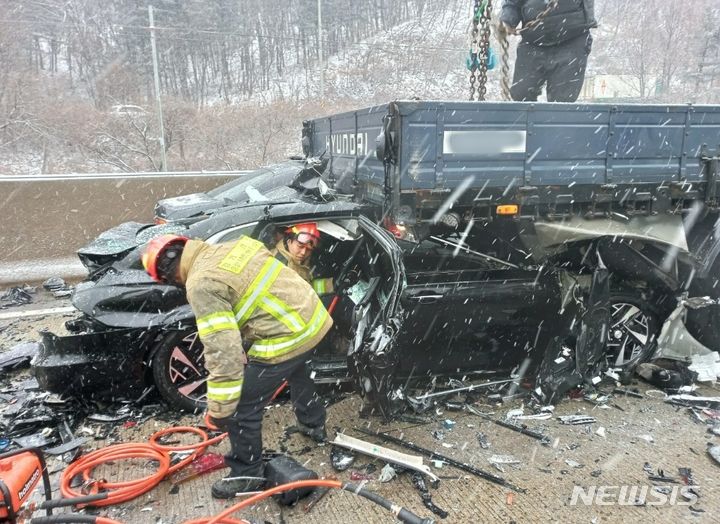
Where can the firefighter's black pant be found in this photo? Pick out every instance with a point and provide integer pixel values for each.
(244, 427)
(561, 68)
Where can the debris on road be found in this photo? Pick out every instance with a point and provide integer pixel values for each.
(340, 459)
(714, 452)
(57, 287)
(664, 377)
(388, 455)
(17, 296)
(387, 473)
(419, 482)
(447, 460)
(576, 420)
(18, 356)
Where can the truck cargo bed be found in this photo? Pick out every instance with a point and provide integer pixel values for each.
(548, 158)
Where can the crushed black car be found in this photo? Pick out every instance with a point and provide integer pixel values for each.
(425, 306)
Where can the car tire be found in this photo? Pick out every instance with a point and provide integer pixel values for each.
(634, 327)
(179, 371)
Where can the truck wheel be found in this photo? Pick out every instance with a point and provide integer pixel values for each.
(179, 370)
(634, 328)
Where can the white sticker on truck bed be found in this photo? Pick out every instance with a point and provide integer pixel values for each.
(485, 142)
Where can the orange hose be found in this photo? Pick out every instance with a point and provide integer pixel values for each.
(220, 518)
(119, 492)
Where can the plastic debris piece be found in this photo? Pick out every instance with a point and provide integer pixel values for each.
(419, 483)
(16, 296)
(707, 366)
(19, 355)
(514, 413)
(387, 473)
(448, 424)
(341, 459)
(714, 452)
(483, 441)
(357, 475)
(573, 464)
(647, 438)
(201, 465)
(37, 440)
(576, 419)
(601, 431)
(67, 446)
(503, 459)
(99, 417)
(437, 463)
(536, 416)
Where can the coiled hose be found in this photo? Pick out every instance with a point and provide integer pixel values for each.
(119, 492)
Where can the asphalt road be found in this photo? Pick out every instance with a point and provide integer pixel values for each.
(46, 219)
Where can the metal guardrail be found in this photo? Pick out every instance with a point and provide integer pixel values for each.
(102, 176)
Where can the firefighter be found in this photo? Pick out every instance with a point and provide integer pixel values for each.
(555, 46)
(294, 250)
(240, 291)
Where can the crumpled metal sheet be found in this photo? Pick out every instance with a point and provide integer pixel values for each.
(675, 342)
(667, 229)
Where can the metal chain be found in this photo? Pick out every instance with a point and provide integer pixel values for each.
(473, 48)
(539, 18)
(504, 63)
(479, 48)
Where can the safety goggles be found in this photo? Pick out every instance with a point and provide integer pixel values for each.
(307, 240)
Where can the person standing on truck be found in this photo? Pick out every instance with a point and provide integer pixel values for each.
(239, 291)
(554, 49)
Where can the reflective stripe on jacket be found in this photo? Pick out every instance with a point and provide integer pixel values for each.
(239, 290)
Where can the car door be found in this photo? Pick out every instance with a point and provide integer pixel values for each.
(463, 319)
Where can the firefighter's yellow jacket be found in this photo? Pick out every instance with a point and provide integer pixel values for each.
(322, 286)
(240, 291)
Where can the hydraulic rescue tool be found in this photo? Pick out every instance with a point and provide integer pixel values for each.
(20, 472)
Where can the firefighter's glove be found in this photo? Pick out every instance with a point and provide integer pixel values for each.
(216, 424)
(347, 281)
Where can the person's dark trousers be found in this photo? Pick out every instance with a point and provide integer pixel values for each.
(561, 67)
(245, 426)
